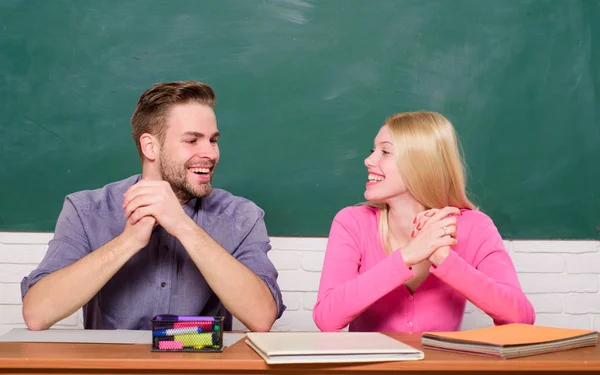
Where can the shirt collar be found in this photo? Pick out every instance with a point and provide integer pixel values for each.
(191, 206)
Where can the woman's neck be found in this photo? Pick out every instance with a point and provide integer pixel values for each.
(401, 213)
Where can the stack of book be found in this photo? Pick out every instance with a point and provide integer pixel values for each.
(329, 347)
(510, 340)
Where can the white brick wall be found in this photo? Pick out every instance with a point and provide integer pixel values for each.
(561, 278)
(20, 253)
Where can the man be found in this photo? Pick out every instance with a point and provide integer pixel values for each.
(164, 242)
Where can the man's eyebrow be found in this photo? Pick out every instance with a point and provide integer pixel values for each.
(193, 134)
(199, 135)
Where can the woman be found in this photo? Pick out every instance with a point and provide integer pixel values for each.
(409, 259)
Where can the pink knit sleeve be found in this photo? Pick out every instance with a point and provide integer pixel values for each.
(343, 292)
(491, 282)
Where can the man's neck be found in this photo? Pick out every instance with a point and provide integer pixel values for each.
(149, 174)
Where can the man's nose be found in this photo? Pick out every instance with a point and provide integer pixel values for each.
(207, 150)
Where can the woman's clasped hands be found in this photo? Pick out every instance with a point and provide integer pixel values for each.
(433, 235)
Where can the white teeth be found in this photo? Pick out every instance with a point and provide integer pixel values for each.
(200, 170)
(373, 177)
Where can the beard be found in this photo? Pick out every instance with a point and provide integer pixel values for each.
(176, 175)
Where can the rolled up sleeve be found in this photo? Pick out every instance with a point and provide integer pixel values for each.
(68, 245)
(252, 252)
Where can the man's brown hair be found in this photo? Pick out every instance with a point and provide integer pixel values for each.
(152, 108)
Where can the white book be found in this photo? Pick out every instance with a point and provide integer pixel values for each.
(90, 336)
(329, 347)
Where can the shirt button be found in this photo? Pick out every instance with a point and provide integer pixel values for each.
(163, 284)
(410, 298)
(410, 324)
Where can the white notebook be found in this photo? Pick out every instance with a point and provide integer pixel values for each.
(329, 347)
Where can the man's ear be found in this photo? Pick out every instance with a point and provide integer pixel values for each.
(150, 146)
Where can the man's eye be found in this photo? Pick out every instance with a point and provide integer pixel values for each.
(371, 151)
(214, 141)
(190, 141)
(385, 152)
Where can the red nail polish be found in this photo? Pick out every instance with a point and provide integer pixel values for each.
(419, 226)
(415, 220)
(412, 234)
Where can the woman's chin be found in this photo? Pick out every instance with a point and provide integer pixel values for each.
(372, 197)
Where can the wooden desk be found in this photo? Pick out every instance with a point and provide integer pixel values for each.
(47, 358)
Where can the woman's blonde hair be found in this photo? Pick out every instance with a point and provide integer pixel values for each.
(429, 160)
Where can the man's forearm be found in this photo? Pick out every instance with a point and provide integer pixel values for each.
(243, 293)
(63, 292)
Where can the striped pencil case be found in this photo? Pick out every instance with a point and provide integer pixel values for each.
(183, 333)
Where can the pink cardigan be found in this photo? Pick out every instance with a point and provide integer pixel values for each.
(363, 287)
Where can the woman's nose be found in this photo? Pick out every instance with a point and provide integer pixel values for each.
(369, 162)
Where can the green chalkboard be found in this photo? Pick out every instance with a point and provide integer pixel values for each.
(302, 87)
